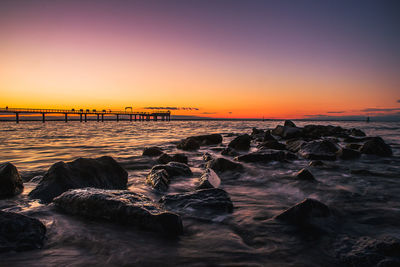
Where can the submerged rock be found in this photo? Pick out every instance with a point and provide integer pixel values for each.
(214, 199)
(324, 150)
(158, 179)
(19, 232)
(152, 151)
(221, 165)
(345, 153)
(120, 206)
(242, 142)
(305, 175)
(189, 143)
(376, 146)
(174, 169)
(304, 212)
(103, 172)
(266, 156)
(207, 156)
(209, 179)
(11, 183)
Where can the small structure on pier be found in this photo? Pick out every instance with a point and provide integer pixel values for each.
(83, 114)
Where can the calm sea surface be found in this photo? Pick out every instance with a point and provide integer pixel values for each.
(368, 203)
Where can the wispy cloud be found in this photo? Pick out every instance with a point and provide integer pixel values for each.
(336, 112)
(172, 108)
(380, 109)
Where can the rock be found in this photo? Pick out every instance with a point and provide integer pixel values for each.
(19, 232)
(367, 251)
(294, 145)
(11, 183)
(158, 179)
(351, 139)
(222, 165)
(209, 139)
(266, 156)
(353, 146)
(189, 143)
(152, 151)
(179, 157)
(257, 134)
(289, 123)
(242, 142)
(345, 153)
(209, 179)
(256, 131)
(305, 175)
(214, 199)
(323, 150)
(318, 131)
(207, 157)
(272, 145)
(119, 206)
(268, 136)
(174, 169)
(103, 172)
(164, 159)
(287, 132)
(304, 212)
(316, 163)
(357, 132)
(228, 151)
(376, 146)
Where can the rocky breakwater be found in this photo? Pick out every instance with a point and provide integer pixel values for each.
(103, 172)
(120, 206)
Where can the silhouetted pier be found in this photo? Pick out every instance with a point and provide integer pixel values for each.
(83, 114)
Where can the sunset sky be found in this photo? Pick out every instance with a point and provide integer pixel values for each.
(236, 59)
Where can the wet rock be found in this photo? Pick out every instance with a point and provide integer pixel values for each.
(289, 123)
(152, 151)
(164, 159)
(357, 132)
(222, 165)
(256, 131)
(376, 146)
(305, 175)
(209, 179)
(228, 151)
(287, 132)
(174, 169)
(11, 183)
(257, 134)
(158, 179)
(214, 199)
(323, 150)
(272, 145)
(242, 142)
(318, 131)
(304, 212)
(294, 145)
(268, 136)
(119, 206)
(207, 157)
(353, 146)
(103, 172)
(368, 251)
(209, 139)
(266, 156)
(179, 157)
(189, 143)
(316, 163)
(352, 139)
(346, 154)
(19, 232)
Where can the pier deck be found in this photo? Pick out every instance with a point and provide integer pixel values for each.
(83, 114)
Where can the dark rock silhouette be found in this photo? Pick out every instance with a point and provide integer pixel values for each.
(319, 149)
(19, 232)
(222, 165)
(120, 206)
(152, 151)
(242, 142)
(103, 172)
(376, 146)
(289, 123)
(228, 151)
(346, 154)
(189, 143)
(305, 175)
(294, 145)
(209, 179)
(357, 132)
(174, 169)
(272, 145)
(158, 179)
(268, 136)
(287, 132)
(179, 157)
(11, 183)
(194, 142)
(164, 158)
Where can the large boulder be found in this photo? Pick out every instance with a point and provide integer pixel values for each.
(357, 132)
(179, 157)
(174, 169)
(319, 149)
(287, 132)
(304, 213)
(289, 123)
(152, 151)
(119, 206)
(214, 199)
(266, 156)
(19, 232)
(318, 131)
(11, 183)
(228, 151)
(268, 136)
(222, 165)
(241, 142)
(272, 145)
(209, 179)
(189, 143)
(103, 172)
(294, 145)
(164, 158)
(346, 154)
(158, 179)
(376, 146)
